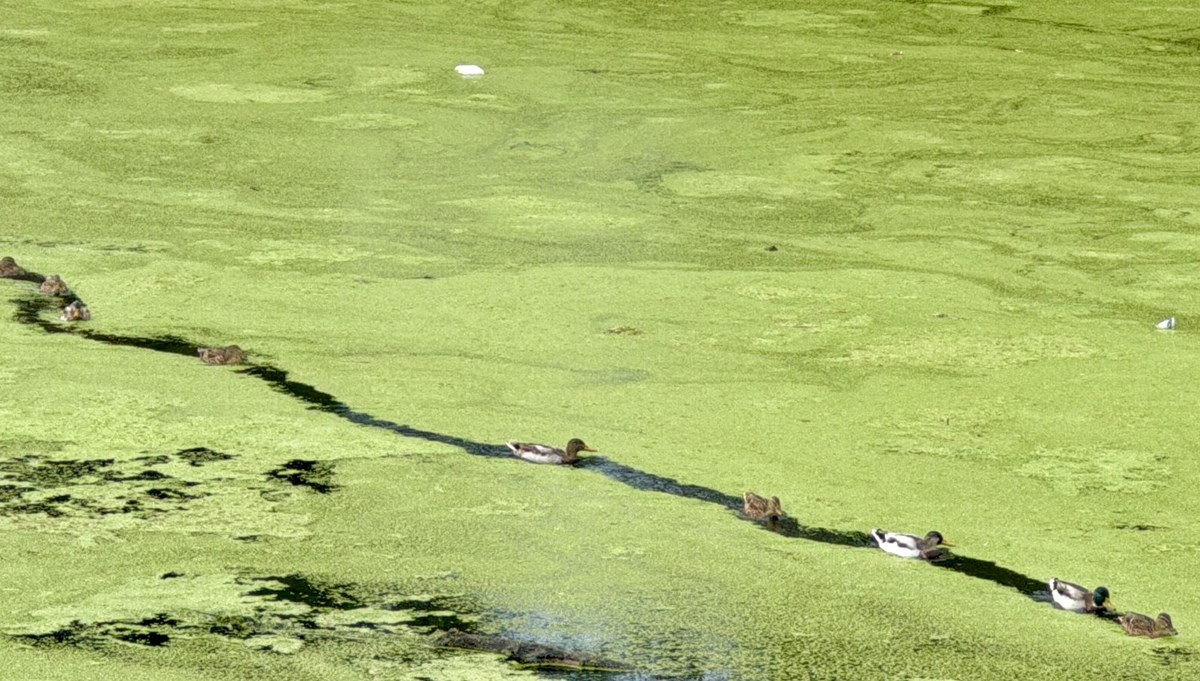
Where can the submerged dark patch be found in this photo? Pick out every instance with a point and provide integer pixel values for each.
(315, 475)
(1172, 655)
(198, 456)
(271, 614)
(310, 592)
(57, 488)
(527, 653)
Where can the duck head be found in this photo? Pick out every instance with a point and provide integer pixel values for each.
(935, 538)
(1101, 598)
(576, 445)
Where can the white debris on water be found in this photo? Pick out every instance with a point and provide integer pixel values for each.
(1166, 324)
(469, 70)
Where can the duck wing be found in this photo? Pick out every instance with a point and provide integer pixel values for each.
(519, 448)
(1072, 591)
(535, 453)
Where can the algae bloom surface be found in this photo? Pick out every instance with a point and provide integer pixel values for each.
(898, 263)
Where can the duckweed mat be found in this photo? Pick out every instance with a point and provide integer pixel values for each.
(898, 263)
(317, 476)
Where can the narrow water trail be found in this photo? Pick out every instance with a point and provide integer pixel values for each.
(30, 311)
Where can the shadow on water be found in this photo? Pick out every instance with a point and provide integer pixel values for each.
(322, 401)
(987, 570)
(649, 482)
(29, 312)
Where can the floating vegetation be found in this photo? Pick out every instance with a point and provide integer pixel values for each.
(283, 614)
(182, 490)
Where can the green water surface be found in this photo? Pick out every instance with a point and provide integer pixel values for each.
(899, 263)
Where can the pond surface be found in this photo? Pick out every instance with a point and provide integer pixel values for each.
(898, 263)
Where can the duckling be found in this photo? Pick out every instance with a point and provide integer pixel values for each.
(10, 269)
(761, 508)
(55, 286)
(76, 312)
(227, 355)
(1075, 598)
(547, 454)
(1137, 624)
(911, 546)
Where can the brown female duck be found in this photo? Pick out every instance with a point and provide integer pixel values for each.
(55, 286)
(10, 269)
(547, 454)
(761, 508)
(227, 355)
(1137, 624)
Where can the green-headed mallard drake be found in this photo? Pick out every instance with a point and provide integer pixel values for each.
(547, 454)
(76, 312)
(911, 546)
(9, 268)
(761, 508)
(228, 355)
(55, 286)
(1137, 624)
(1075, 598)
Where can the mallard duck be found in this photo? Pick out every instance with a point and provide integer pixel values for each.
(9, 268)
(1075, 598)
(761, 508)
(547, 454)
(55, 286)
(1137, 624)
(911, 546)
(228, 355)
(76, 312)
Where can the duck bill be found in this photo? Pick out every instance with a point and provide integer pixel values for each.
(946, 543)
(588, 449)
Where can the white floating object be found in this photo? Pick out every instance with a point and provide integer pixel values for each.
(469, 70)
(1166, 324)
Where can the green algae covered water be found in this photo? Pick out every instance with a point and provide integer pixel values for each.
(898, 263)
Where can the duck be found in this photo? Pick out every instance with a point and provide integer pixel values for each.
(547, 454)
(911, 546)
(76, 312)
(1075, 598)
(761, 508)
(9, 268)
(227, 355)
(55, 286)
(1137, 624)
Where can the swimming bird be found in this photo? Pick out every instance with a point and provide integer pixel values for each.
(547, 454)
(1137, 624)
(761, 508)
(76, 312)
(1075, 598)
(9, 268)
(911, 546)
(55, 286)
(227, 355)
